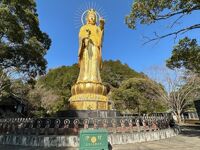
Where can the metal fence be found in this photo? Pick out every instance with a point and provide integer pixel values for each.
(72, 126)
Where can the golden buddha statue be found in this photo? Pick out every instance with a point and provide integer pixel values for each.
(89, 93)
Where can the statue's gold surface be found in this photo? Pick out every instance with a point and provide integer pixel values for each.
(89, 93)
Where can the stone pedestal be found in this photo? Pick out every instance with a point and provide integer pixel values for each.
(89, 96)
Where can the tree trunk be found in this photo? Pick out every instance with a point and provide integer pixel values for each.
(178, 115)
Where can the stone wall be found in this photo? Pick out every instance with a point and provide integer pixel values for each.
(141, 136)
(73, 141)
(43, 141)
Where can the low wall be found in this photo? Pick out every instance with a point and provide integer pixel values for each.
(141, 136)
(73, 141)
(43, 141)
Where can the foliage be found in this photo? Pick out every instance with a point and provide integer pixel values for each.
(13, 87)
(138, 95)
(186, 54)
(5, 84)
(60, 80)
(22, 43)
(13, 91)
(44, 101)
(114, 72)
(181, 87)
(151, 11)
(55, 88)
(130, 90)
(20, 89)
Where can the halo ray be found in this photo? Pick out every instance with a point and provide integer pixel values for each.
(80, 13)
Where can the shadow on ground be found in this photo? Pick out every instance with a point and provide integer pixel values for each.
(190, 130)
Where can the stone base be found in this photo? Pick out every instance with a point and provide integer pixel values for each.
(73, 141)
(88, 113)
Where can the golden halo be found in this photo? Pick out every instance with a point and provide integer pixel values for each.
(84, 13)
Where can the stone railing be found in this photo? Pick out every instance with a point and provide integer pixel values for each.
(72, 126)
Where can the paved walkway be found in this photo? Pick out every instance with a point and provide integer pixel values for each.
(189, 139)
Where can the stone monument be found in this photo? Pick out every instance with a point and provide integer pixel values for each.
(89, 93)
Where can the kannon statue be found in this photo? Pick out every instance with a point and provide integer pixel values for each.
(90, 43)
(89, 93)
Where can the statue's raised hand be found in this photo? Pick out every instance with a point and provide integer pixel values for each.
(101, 23)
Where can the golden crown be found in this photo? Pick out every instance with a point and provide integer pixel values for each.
(91, 11)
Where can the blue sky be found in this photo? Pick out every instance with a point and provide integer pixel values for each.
(59, 19)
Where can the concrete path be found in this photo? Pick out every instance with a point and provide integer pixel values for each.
(189, 139)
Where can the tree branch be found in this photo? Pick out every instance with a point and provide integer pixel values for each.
(176, 21)
(166, 16)
(173, 33)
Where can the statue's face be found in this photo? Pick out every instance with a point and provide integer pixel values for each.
(91, 19)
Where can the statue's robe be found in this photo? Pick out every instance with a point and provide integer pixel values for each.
(90, 59)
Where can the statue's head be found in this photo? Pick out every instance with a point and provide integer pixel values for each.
(91, 17)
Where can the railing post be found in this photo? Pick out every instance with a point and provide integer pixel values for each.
(56, 126)
(86, 123)
(138, 125)
(76, 126)
(38, 126)
(113, 122)
(130, 124)
(47, 126)
(66, 126)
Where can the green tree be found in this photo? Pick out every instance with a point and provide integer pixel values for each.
(5, 85)
(59, 81)
(138, 95)
(57, 84)
(186, 54)
(44, 101)
(19, 89)
(114, 72)
(151, 11)
(181, 88)
(22, 43)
